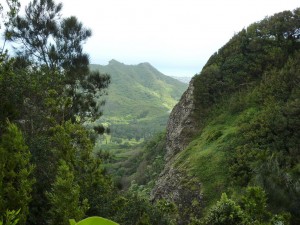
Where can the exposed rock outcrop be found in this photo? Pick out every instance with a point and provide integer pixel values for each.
(184, 191)
(181, 126)
(172, 183)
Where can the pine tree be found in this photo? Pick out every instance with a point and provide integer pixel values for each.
(54, 43)
(64, 197)
(15, 177)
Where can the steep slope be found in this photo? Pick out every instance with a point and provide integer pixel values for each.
(139, 99)
(242, 128)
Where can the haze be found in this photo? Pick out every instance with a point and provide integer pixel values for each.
(175, 36)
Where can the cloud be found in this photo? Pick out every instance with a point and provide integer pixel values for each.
(167, 33)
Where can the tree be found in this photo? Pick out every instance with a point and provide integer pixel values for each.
(251, 210)
(224, 212)
(8, 99)
(254, 203)
(71, 142)
(49, 91)
(15, 178)
(7, 20)
(64, 197)
(55, 44)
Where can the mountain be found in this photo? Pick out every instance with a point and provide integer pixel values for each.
(237, 127)
(139, 99)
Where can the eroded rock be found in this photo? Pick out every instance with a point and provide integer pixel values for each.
(172, 184)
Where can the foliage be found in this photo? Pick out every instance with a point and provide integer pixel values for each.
(40, 91)
(16, 172)
(7, 21)
(10, 218)
(93, 221)
(132, 208)
(140, 166)
(9, 98)
(254, 203)
(246, 99)
(49, 92)
(53, 43)
(71, 143)
(245, 58)
(226, 211)
(206, 157)
(169, 210)
(152, 161)
(139, 100)
(267, 153)
(247, 107)
(251, 210)
(144, 220)
(64, 197)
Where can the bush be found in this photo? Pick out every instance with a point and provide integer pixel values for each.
(224, 212)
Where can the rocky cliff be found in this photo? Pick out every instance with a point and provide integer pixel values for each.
(173, 184)
(237, 126)
(180, 125)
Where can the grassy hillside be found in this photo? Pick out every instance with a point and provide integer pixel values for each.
(139, 99)
(248, 108)
(137, 107)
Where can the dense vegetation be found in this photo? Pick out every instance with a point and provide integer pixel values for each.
(49, 172)
(139, 101)
(247, 104)
(138, 167)
(137, 107)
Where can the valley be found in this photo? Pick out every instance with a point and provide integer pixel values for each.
(126, 144)
(139, 100)
(137, 107)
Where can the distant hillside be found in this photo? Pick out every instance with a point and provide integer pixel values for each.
(139, 99)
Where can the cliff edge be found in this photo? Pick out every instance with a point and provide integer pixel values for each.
(172, 183)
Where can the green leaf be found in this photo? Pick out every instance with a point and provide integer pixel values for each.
(96, 221)
(72, 222)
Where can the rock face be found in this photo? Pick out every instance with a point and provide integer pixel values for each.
(181, 126)
(181, 189)
(172, 184)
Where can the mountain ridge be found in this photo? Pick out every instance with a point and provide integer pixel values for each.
(139, 94)
(245, 130)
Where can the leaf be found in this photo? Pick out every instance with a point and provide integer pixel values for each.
(72, 222)
(96, 221)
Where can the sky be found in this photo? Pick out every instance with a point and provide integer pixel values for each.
(176, 36)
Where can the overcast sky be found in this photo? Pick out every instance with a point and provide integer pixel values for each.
(175, 36)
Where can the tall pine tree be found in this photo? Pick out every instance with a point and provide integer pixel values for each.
(15, 177)
(64, 197)
(54, 43)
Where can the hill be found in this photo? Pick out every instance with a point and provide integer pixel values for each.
(139, 100)
(237, 126)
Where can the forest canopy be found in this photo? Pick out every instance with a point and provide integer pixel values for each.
(49, 171)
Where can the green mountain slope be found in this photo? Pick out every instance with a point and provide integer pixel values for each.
(139, 99)
(245, 125)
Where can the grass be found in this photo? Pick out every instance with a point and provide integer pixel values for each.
(206, 158)
(138, 93)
